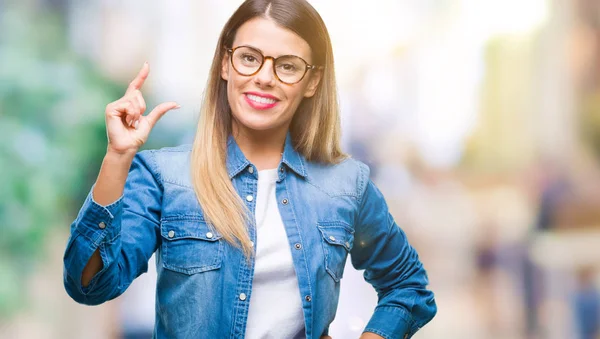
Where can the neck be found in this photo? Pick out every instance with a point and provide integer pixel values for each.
(264, 149)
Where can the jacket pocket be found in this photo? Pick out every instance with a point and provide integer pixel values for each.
(190, 246)
(338, 239)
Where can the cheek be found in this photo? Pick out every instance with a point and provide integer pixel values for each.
(295, 95)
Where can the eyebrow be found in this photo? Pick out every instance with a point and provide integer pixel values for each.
(263, 53)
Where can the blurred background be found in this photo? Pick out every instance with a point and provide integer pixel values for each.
(480, 120)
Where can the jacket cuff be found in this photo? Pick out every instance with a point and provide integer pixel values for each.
(391, 323)
(96, 222)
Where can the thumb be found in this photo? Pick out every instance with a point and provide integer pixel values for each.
(159, 111)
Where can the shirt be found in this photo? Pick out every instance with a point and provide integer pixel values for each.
(329, 211)
(275, 303)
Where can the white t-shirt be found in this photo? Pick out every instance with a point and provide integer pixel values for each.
(275, 303)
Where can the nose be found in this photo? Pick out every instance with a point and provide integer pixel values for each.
(265, 76)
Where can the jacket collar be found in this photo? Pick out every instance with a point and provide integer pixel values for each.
(237, 162)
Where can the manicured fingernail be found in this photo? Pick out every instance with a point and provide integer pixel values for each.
(137, 123)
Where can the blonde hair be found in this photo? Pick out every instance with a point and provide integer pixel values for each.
(314, 130)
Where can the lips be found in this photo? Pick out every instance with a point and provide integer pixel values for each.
(260, 101)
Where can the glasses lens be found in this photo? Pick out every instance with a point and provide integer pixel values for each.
(290, 69)
(247, 60)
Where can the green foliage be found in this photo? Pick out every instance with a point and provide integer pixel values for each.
(52, 139)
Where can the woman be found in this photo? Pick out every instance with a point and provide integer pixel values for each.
(252, 224)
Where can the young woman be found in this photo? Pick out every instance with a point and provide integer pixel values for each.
(252, 223)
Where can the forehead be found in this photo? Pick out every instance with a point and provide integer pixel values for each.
(271, 38)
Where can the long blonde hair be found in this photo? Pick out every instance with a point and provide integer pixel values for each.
(314, 130)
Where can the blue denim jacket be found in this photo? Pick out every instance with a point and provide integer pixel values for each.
(204, 284)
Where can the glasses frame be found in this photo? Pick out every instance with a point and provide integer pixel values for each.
(274, 61)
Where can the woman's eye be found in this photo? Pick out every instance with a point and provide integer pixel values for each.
(288, 67)
(249, 58)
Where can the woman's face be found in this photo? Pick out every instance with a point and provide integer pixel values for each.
(261, 102)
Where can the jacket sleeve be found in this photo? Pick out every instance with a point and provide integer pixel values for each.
(392, 267)
(125, 232)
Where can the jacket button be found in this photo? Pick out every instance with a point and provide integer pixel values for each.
(249, 198)
(332, 238)
(281, 169)
(298, 246)
(308, 298)
(251, 169)
(102, 225)
(209, 235)
(242, 296)
(284, 201)
(171, 234)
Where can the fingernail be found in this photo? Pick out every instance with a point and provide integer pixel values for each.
(137, 123)
(176, 107)
(145, 62)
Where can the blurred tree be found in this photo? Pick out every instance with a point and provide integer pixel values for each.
(52, 138)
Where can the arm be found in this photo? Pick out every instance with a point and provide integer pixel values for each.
(100, 261)
(108, 188)
(124, 235)
(392, 267)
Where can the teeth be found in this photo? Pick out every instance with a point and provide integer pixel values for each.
(261, 100)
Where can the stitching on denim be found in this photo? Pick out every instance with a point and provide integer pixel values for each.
(336, 223)
(155, 169)
(287, 190)
(362, 182)
(183, 217)
(172, 182)
(341, 194)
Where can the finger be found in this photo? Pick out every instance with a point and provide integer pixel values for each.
(141, 102)
(159, 111)
(128, 111)
(135, 110)
(138, 82)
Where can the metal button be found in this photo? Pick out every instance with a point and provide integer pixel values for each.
(102, 225)
(171, 234)
(242, 296)
(332, 238)
(252, 243)
(308, 298)
(298, 246)
(285, 201)
(347, 244)
(251, 169)
(249, 198)
(281, 169)
(209, 235)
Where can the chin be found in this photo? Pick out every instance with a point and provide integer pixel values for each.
(257, 125)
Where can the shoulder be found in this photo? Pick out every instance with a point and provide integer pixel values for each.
(348, 177)
(169, 164)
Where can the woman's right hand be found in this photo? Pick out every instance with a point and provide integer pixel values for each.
(126, 126)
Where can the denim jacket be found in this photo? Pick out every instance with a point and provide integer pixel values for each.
(204, 283)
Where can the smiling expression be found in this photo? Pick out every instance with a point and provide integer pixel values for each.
(261, 102)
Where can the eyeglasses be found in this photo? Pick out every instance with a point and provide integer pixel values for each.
(289, 69)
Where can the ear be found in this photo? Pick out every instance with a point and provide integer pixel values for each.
(225, 67)
(313, 83)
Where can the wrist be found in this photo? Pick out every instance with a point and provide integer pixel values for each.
(120, 155)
